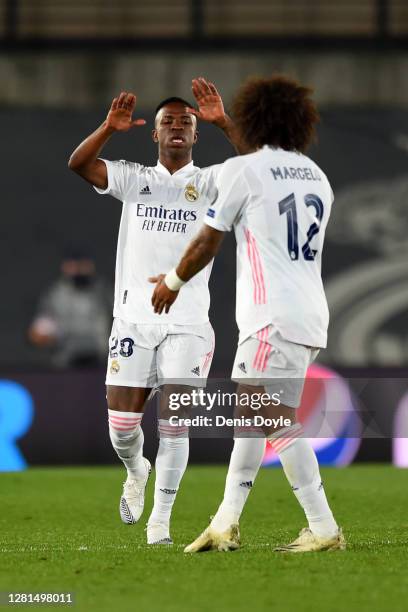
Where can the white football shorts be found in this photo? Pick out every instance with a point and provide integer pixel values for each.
(152, 355)
(267, 359)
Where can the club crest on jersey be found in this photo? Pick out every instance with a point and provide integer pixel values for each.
(115, 367)
(191, 193)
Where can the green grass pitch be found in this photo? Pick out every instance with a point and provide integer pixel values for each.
(60, 531)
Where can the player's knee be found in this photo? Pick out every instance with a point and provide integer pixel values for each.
(280, 421)
(172, 435)
(283, 438)
(124, 430)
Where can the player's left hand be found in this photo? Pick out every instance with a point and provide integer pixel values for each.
(209, 101)
(162, 297)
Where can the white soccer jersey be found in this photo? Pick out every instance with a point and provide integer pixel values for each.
(161, 213)
(279, 203)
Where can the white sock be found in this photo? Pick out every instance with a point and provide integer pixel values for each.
(246, 458)
(300, 465)
(171, 463)
(127, 439)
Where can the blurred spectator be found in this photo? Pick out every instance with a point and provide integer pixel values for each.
(74, 315)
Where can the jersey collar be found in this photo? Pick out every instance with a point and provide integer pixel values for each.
(184, 170)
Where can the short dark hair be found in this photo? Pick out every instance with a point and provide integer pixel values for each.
(170, 101)
(276, 111)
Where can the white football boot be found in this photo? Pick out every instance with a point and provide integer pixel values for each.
(158, 533)
(215, 540)
(307, 541)
(132, 501)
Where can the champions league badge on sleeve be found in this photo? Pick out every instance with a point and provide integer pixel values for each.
(191, 193)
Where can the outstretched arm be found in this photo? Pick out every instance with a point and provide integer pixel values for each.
(199, 253)
(84, 160)
(211, 109)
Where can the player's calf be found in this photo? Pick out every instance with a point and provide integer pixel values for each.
(301, 468)
(127, 439)
(171, 463)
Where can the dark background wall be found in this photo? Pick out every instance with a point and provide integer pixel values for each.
(45, 207)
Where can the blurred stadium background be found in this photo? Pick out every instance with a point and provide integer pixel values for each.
(61, 63)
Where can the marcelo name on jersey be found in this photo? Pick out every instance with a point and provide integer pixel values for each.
(160, 219)
(302, 174)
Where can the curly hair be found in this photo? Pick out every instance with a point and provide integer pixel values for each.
(276, 111)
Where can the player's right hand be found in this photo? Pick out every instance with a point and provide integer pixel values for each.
(163, 297)
(120, 114)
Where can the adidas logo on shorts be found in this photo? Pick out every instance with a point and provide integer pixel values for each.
(196, 370)
(145, 191)
(242, 367)
(169, 491)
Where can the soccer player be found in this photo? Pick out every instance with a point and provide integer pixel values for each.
(278, 201)
(163, 207)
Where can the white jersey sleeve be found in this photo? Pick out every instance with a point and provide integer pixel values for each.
(122, 176)
(233, 193)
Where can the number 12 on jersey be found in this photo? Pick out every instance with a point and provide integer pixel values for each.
(287, 207)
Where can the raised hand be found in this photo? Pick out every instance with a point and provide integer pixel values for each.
(120, 114)
(209, 102)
